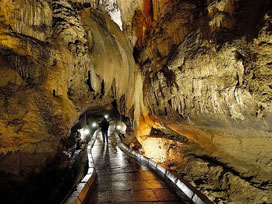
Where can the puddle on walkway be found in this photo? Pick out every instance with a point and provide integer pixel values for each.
(120, 179)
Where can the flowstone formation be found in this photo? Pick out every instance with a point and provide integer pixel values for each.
(57, 59)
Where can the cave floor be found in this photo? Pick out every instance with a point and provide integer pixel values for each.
(120, 179)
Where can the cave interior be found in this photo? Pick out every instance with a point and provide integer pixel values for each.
(189, 83)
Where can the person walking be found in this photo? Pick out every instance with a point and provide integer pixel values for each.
(104, 128)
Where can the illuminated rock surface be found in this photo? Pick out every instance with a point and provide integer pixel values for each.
(203, 69)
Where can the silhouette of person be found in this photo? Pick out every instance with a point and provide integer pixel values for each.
(104, 128)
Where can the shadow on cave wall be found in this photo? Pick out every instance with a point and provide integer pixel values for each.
(249, 15)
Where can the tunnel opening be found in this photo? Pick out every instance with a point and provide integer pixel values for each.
(61, 174)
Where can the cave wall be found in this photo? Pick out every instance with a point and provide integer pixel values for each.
(207, 75)
(58, 58)
(203, 70)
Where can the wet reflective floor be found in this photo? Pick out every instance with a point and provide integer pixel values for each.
(120, 179)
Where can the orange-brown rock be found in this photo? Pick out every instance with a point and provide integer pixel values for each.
(205, 64)
(56, 61)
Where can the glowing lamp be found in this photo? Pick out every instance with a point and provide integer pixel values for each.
(118, 127)
(94, 124)
(86, 131)
(82, 137)
(106, 116)
(83, 133)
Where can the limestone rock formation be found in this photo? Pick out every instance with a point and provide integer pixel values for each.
(206, 64)
(57, 59)
(203, 70)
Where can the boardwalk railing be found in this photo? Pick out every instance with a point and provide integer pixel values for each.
(184, 189)
(83, 189)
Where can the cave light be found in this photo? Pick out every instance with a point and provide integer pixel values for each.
(94, 124)
(118, 127)
(84, 132)
(106, 116)
(114, 12)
